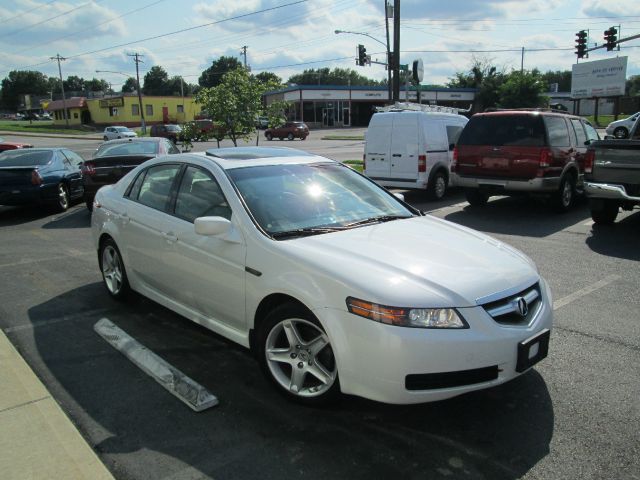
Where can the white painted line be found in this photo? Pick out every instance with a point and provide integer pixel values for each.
(189, 391)
(584, 291)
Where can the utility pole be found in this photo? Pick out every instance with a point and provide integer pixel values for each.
(244, 54)
(387, 7)
(396, 50)
(64, 100)
(137, 60)
(522, 62)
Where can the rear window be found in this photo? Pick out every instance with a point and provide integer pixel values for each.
(21, 158)
(557, 131)
(128, 148)
(504, 130)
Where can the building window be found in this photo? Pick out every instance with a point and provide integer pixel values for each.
(113, 112)
(148, 110)
(75, 114)
(135, 109)
(180, 109)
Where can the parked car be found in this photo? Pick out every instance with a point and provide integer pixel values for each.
(44, 176)
(206, 129)
(172, 132)
(262, 122)
(612, 176)
(621, 128)
(115, 158)
(12, 145)
(19, 116)
(412, 149)
(523, 151)
(333, 282)
(289, 130)
(112, 133)
(45, 116)
(31, 116)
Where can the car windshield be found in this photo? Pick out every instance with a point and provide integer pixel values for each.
(122, 129)
(128, 148)
(504, 130)
(173, 128)
(22, 158)
(300, 199)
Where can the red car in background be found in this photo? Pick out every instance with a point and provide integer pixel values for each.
(12, 145)
(289, 130)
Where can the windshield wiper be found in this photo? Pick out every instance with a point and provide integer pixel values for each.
(303, 232)
(379, 219)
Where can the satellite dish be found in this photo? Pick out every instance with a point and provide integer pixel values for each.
(418, 71)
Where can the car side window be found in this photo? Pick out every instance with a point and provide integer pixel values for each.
(200, 195)
(134, 190)
(156, 186)
(171, 148)
(557, 132)
(74, 158)
(591, 132)
(579, 129)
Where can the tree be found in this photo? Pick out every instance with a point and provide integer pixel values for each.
(155, 81)
(97, 85)
(337, 76)
(22, 82)
(633, 86)
(212, 76)
(73, 83)
(130, 85)
(485, 78)
(266, 77)
(561, 77)
(522, 89)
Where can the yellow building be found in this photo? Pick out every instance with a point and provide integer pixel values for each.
(125, 110)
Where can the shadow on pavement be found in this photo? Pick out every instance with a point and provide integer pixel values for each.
(13, 216)
(618, 240)
(524, 216)
(255, 432)
(78, 217)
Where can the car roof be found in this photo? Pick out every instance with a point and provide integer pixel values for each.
(240, 157)
(134, 139)
(526, 112)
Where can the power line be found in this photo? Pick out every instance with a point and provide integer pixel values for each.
(2, 20)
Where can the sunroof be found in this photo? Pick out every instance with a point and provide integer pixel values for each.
(250, 153)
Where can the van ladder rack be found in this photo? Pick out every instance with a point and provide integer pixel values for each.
(417, 107)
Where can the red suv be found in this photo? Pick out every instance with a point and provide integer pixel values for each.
(522, 151)
(289, 130)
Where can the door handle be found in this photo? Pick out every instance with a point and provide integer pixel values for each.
(396, 155)
(125, 218)
(170, 237)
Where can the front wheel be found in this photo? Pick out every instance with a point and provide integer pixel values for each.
(437, 186)
(296, 355)
(290, 137)
(269, 136)
(475, 197)
(604, 212)
(113, 272)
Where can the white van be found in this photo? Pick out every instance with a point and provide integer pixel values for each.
(412, 149)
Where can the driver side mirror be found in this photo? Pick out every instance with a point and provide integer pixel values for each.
(211, 226)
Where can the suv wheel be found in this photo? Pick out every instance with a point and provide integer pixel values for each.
(563, 198)
(620, 132)
(604, 212)
(290, 137)
(475, 197)
(269, 136)
(437, 186)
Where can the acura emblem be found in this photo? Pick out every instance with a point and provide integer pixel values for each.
(523, 308)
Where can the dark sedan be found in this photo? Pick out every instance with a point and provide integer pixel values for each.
(115, 158)
(45, 176)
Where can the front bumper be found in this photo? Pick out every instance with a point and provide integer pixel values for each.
(533, 185)
(608, 191)
(382, 362)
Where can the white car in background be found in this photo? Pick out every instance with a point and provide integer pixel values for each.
(336, 284)
(621, 128)
(111, 133)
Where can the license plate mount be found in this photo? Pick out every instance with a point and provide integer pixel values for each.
(532, 350)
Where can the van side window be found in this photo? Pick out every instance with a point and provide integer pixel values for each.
(453, 133)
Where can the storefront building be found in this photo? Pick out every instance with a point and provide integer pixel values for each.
(125, 110)
(345, 106)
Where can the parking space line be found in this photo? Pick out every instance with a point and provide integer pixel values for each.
(177, 383)
(584, 291)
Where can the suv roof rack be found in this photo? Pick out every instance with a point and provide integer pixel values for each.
(418, 107)
(527, 109)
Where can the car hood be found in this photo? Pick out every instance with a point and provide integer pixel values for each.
(439, 262)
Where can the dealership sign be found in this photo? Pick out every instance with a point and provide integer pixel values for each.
(602, 78)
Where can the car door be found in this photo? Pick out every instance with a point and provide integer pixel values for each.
(404, 147)
(74, 174)
(208, 269)
(581, 146)
(146, 227)
(378, 147)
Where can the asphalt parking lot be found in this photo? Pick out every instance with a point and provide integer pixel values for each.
(575, 416)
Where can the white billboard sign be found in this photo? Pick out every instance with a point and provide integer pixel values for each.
(602, 78)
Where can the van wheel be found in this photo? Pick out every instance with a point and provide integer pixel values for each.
(475, 197)
(437, 186)
(604, 212)
(562, 200)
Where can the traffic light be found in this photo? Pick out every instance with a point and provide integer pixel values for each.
(581, 43)
(362, 55)
(610, 38)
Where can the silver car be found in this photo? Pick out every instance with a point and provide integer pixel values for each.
(111, 133)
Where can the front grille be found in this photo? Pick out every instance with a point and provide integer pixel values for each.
(508, 310)
(461, 378)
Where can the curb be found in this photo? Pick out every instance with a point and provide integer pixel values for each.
(38, 440)
(51, 135)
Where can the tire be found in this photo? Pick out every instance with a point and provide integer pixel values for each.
(105, 138)
(295, 354)
(437, 187)
(281, 138)
(604, 212)
(269, 136)
(62, 202)
(475, 197)
(290, 137)
(563, 199)
(114, 274)
(621, 132)
(303, 138)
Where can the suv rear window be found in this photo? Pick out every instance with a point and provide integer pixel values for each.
(558, 133)
(504, 130)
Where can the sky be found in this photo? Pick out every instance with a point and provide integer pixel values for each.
(287, 36)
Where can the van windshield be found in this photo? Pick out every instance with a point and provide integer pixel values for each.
(504, 130)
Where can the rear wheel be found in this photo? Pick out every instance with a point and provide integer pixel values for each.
(113, 272)
(62, 203)
(290, 137)
(269, 136)
(295, 353)
(475, 197)
(437, 186)
(604, 212)
(563, 198)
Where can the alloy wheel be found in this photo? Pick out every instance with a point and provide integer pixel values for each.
(63, 197)
(112, 269)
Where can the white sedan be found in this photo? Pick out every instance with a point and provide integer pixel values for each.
(621, 128)
(111, 133)
(336, 284)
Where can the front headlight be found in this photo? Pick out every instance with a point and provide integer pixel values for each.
(407, 317)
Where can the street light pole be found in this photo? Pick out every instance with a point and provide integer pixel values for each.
(396, 50)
